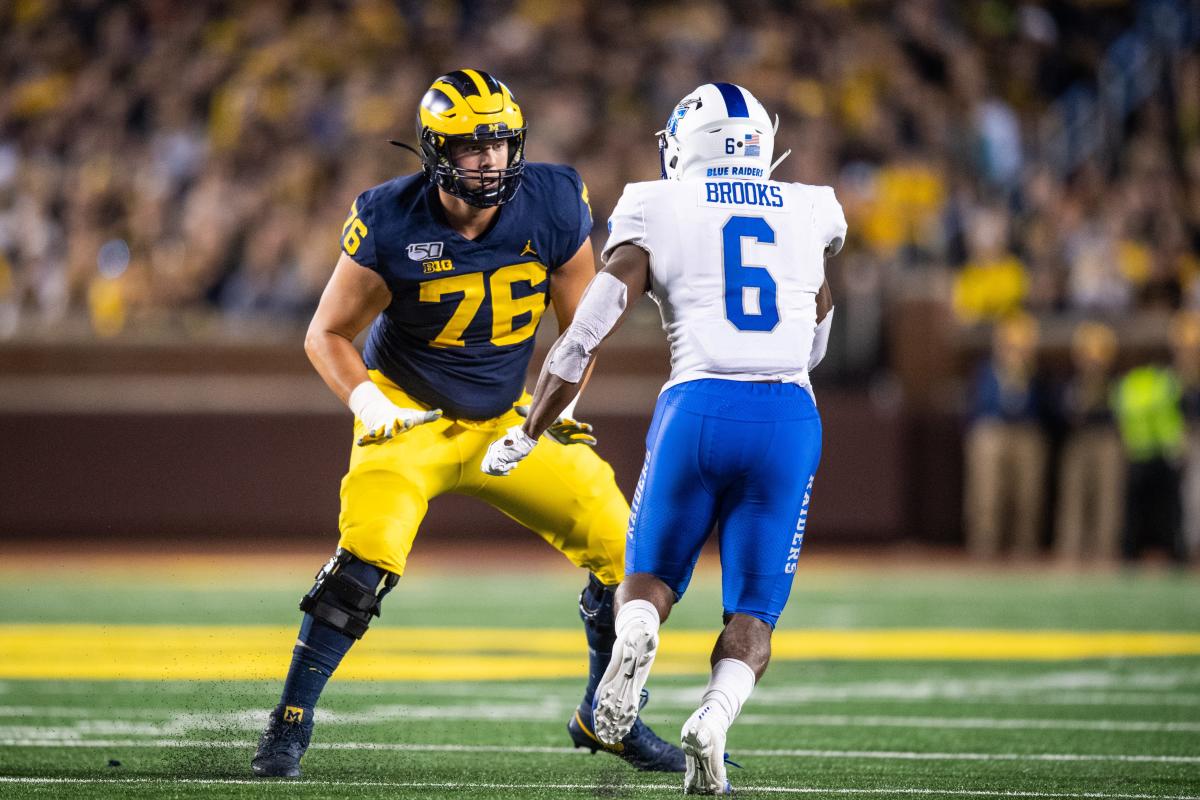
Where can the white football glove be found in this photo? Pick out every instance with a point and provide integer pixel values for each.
(382, 418)
(508, 451)
(566, 430)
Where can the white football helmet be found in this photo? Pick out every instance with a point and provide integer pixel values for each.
(717, 125)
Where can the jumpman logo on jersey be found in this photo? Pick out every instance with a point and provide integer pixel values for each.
(528, 249)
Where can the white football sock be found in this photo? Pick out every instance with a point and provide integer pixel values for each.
(728, 689)
(640, 612)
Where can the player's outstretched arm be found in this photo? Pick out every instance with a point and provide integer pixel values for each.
(604, 305)
(353, 297)
(567, 285)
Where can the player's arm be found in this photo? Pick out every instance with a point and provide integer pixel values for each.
(835, 237)
(567, 285)
(353, 297)
(824, 323)
(600, 312)
(604, 306)
(824, 301)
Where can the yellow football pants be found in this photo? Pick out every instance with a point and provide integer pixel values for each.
(565, 494)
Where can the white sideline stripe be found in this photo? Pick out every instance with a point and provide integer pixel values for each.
(1080, 682)
(487, 748)
(600, 789)
(251, 719)
(981, 723)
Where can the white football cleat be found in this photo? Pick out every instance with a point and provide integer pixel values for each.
(619, 695)
(704, 749)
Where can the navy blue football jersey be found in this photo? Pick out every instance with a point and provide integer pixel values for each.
(458, 333)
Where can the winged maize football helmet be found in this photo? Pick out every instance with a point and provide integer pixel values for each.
(717, 125)
(469, 105)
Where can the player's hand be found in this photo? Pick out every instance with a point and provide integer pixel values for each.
(397, 421)
(508, 451)
(566, 430)
(383, 419)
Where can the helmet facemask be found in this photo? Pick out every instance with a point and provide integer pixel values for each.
(481, 188)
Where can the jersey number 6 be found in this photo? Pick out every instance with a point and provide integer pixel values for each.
(749, 288)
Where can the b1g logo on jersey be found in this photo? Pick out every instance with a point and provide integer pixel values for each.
(440, 265)
(423, 251)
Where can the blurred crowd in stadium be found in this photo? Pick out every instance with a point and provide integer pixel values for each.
(1047, 154)
(160, 159)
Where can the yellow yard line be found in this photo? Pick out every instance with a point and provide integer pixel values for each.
(228, 652)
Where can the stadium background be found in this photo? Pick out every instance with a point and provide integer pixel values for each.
(173, 177)
(172, 180)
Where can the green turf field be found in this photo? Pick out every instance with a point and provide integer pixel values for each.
(899, 702)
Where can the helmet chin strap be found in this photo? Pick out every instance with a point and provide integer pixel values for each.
(778, 161)
(786, 153)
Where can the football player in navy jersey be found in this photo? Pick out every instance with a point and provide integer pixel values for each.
(452, 268)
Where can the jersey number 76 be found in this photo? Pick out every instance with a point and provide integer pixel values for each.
(514, 319)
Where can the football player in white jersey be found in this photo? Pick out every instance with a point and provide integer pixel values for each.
(736, 263)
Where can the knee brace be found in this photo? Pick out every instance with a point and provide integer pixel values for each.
(343, 601)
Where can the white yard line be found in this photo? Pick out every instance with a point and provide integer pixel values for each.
(252, 719)
(893, 755)
(1075, 698)
(601, 789)
(968, 723)
(1054, 683)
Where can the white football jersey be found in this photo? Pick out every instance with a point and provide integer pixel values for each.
(735, 266)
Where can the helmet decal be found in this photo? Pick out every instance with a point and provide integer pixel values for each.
(680, 111)
(752, 143)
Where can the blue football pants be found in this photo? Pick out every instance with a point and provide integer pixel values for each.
(741, 455)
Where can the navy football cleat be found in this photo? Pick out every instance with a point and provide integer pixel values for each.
(641, 748)
(282, 744)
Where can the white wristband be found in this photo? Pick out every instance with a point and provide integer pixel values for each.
(372, 406)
